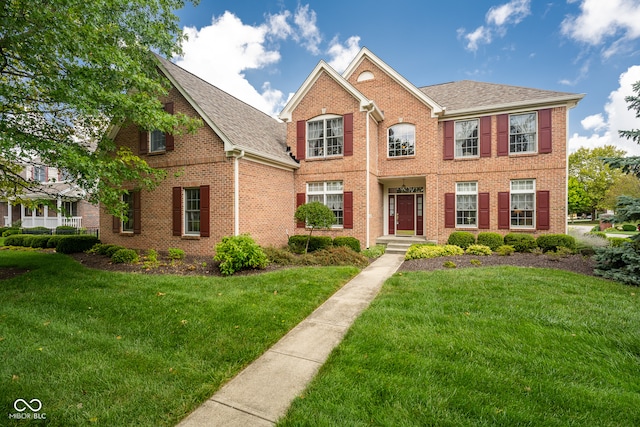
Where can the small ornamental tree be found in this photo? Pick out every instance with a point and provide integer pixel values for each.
(314, 215)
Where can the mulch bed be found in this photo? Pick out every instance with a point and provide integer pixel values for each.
(205, 266)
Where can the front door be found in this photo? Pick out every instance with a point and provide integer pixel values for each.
(405, 214)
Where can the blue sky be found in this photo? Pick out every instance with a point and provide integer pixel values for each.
(262, 51)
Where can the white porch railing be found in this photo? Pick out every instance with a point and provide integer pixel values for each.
(49, 222)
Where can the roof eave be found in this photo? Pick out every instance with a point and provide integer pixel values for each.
(570, 101)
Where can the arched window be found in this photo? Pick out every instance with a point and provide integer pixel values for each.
(402, 140)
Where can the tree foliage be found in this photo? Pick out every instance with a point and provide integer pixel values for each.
(578, 198)
(314, 215)
(588, 167)
(71, 69)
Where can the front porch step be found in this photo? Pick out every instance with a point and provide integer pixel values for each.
(399, 244)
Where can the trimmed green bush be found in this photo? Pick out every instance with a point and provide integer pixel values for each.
(350, 242)
(15, 239)
(432, 251)
(66, 229)
(375, 251)
(239, 252)
(520, 242)
(37, 241)
(551, 242)
(461, 238)
(613, 241)
(125, 256)
(493, 240)
(505, 250)
(74, 244)
(36, 230)
(480, 250)
(109, 250)
(11, 231)
(176, 254)
(628, 227)
(298, 242)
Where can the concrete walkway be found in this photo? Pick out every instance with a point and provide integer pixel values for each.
(263, 391)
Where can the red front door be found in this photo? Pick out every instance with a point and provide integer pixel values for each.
(405, 213)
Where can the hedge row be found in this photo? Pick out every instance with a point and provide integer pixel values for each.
(66, 244)
(298, 242)
(520, 242)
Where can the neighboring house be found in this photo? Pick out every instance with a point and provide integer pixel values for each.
(389, 158)
(67, 204)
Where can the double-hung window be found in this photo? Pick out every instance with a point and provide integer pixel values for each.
(39, 173)
(466, 138)
(157, 141)
(402, 140)
(466, 204)
(523, 207)
(127, 223)
(325, 137)
(523, 133)
(70, 208)
(330, 194)
(192, 211)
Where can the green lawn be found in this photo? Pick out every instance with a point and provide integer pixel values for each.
(488, 346)
(102, 348)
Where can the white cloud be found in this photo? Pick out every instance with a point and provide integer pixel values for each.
(496, 20)
(615, 22)
(618, 117)
(308, 33)
(341, 55)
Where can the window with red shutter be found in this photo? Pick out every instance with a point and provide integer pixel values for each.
(301, 139)
(450, 210)
(484, 211)
(485, 136)
(205, 211)
(301, 199)
(542, 210)
(503, 135)
(137, 211)
(348, 209)
(448, 148)
(177, 211)
(544, 131)
(348, 134)
(503, 210)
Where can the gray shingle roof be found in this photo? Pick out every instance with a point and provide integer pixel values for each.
(243, 125)
(469, 95)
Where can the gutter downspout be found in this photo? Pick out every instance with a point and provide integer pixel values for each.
(367, 190)
(236, 192)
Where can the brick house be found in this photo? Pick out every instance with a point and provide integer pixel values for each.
(389, 158)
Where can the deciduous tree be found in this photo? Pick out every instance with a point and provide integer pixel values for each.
(316, 216)
(69, 69)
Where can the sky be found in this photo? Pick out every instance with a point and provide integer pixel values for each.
(261, 51)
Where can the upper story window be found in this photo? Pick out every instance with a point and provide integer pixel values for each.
(466, 204)
(192, 211)
(39, 173)
(523, 207)
(127, 223)
(157, 141)
(523, 133)
(325, 137)
(466, 138)
(402, 140)
(330, 194)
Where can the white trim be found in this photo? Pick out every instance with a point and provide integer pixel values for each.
(236, 193)
(569, 101)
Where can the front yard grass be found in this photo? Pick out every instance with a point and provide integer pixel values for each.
(489, 346)
(103, 348)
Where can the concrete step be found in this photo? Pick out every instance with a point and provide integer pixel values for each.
(399, 244)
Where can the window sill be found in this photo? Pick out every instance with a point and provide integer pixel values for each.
(126, 234)
(190, 237)
(524, 154)
(413, 156)
(466, 158)
(156, 153)
(316, 159)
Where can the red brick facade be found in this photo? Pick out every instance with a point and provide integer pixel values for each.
(249, 193)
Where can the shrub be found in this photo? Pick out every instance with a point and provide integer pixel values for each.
(38, 241)
(239, 252)
(66, 229)
(461, 238)
(15, 239)
(341, 255)
(350, 242)
(74, 244)
(560, 252)
(479, 250)
(493, 240)
(36, 230)
(551, 242)
(620, 263)
(628, 227)
(520, 242)
(613, 241)
(176, 254)
(125, 256)
(476, 262)
(298, 242)
(597, 233)
(11, 231)
(505, 250)
(280, 256)
(419, 251)
(109, 250)
(449, 264)
(374, 251)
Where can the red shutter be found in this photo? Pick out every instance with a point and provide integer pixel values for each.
(136, 213)
(169, 141)
(485, 136)
(503, 135)
(544, 131)
(301, 139)
(504, 214)
(348, 209)
(301, 199)
(484, 212)
(143, 141)
(177, 211)
(450, 210)
(204, 211)
(542, 210)
(448, 140)
(348, 134)
(115, 224)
